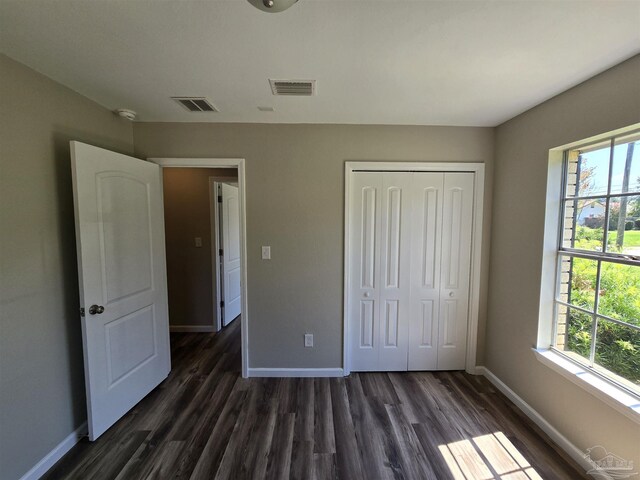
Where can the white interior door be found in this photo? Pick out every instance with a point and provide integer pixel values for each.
(380, 231)
(426, 247)
(230, 253)
(364, 235)
(457, 216)
(410, 238)
(123, 286)
(395, 264)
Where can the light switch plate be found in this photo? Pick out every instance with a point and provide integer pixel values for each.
(198, 241)
(308, 339)
(266, 253)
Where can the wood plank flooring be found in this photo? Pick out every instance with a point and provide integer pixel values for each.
(206, 422)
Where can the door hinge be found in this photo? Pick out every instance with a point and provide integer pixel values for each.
(82, 312)
(220, 252)
(219, 198)
(222, 304)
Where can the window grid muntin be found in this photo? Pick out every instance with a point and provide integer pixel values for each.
(599, 315)
(598, 256)
(603, 195)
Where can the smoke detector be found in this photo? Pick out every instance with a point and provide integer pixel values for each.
(126, 113)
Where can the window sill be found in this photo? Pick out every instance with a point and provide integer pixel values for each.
(623, 401)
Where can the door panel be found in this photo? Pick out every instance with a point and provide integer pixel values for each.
(427, 324)
(121, 265)
(124, 220)
(448, 322)
(391, 324)
(231, 253)
(428, 244)
(130, 343)
(395, 258)
(457, 216)
(366, 323)
(365, 236)
(369, 221)
(394, 212)
(451, 261)
(425, 269)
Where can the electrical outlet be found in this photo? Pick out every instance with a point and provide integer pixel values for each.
(308, 339)
(266, 253)
(198, 241)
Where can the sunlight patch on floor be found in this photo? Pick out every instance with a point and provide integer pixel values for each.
(487, 457)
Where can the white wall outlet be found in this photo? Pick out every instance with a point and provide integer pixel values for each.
(308, 339)
(266, 253)
(198, 241)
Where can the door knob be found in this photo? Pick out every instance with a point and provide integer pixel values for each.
(366, 294)
(93, 309)
(451, 294)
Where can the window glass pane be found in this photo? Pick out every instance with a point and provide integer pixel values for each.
(619, 295)
(584, 224)
(588, 170)
(624, 234)
(577, 333)
(618, 350)
(625, 173)
(578, 281)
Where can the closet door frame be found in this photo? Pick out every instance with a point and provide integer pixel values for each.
(476, 243)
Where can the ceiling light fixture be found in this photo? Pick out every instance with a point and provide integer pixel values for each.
(272, 6)
(126, 113)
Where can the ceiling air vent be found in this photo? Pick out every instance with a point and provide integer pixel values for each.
(303, 88)
(196, 104)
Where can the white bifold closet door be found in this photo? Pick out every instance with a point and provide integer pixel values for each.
(410, 264)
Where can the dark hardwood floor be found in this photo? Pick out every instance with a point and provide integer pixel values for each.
(205, 422)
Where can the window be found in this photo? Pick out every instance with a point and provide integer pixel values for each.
(597, 304)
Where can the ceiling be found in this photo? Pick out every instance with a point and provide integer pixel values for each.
(473, 63)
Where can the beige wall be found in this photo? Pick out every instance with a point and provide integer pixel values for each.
(295, 203)
(190, 275)
(606, 102)
(41, 375)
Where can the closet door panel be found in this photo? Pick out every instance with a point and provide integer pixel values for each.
(395, 265)
(426, 195)
(364, 285)
(457, 219)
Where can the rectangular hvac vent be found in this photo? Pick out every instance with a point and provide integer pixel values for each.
(293, 87)
(196, 104)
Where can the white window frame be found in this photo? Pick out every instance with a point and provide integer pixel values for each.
(599, 385)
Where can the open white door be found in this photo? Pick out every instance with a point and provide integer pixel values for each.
(123, 285)
(230, 253)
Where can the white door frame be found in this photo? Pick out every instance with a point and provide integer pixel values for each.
(476, 242)
(227, 163)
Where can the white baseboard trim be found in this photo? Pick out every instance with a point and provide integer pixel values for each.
(574, 452)
(192, 328)
(50, 459)
(296, 372)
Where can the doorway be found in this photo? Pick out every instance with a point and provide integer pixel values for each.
(412, 265)
(206, 240)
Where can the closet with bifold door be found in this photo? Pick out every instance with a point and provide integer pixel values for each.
(409, 269)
